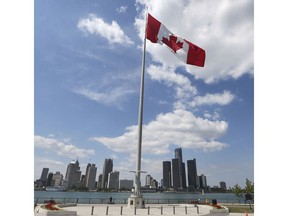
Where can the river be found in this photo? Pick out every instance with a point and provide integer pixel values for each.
(121, 197)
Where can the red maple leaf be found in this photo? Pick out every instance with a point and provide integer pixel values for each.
(172, 43)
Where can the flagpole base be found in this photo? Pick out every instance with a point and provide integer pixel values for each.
(136, 201)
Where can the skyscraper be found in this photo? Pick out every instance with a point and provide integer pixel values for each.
(167, 174)
(107, 168)
(57, 179)
(176, 173)
(192, 174)
(182, 173)
(99, 183)
(49, 179)
(73, 174)
(44, 173)
(90, 176)
(223, 185)
(148, 180)
(86, 174)
(113, 180)
(203, 181)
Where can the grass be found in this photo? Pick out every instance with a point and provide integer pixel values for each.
(240, 208)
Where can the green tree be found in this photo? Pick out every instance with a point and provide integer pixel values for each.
(238, 191)
(247, 192)
(249, 187)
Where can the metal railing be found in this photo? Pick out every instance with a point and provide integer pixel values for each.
(125, 201)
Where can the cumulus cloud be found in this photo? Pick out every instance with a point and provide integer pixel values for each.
(61, 147)
(223, 28)
(179, 127)
(112, 32)
(209, 99)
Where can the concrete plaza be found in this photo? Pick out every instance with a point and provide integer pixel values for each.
(151, 209)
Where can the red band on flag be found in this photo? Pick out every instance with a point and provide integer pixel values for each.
(186, 51)
(152, 29)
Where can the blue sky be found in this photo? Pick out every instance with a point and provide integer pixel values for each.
(87, 65)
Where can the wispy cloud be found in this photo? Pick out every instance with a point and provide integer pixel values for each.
(122, 9)
(61, 147)
(112, 32)
(112, 96)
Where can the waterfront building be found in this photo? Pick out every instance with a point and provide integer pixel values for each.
(113, 180)
(154, 183)
(73, 174)
(86, 173)
(57, 179)
(42, 182)
(203, 181)
(176, 174)
(192, 174)
(82, 180)
(49, 179)
(182, 173)
(148, 180)
(44, 174)
(90, 177)
(166, 174)
(126, 184)
(107, 168)
(223, 185)
(99, 185)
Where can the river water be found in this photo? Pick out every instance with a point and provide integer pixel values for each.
(122, 197)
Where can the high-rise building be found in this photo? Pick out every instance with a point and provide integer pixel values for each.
(107, 168)
(113, 180)
(57, 179)
(223, 185)
(49, 179)
(99, 183)
(192, 174)
(86, 174)
(126, 184)
(90, 176)
(182, 173)
(167, 174)
(184, 185)
(148, 180)
(44, 174)
(73, 174)
(202, 181)
(176, 173)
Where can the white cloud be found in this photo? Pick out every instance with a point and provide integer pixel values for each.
(112, 32)
(179, 127)
(61, 147)
(185, 91)
(122, 9)
(209, 99)
(223, 28)
(214, 116)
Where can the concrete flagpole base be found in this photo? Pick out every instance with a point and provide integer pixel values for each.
(136, 201)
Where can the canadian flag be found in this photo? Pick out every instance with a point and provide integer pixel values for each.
(186, 51)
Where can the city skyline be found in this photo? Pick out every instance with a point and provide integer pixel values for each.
(74, 177)
(174, 176)
(87, 73)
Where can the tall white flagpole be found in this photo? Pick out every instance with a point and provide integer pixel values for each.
(137, 197)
